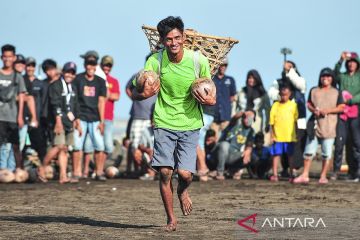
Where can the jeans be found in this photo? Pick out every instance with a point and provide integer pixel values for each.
(22, 136)
(207, 119)
(312, 145)
(108, 136)
(224, 155)
(7, 159)
(94, 133)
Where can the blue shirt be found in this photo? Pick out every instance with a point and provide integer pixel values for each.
(225, 88)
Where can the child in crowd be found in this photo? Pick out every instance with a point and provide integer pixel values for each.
(283, 117)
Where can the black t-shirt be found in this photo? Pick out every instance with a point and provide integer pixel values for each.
(62, 102)
(35, 89)
(88, 95)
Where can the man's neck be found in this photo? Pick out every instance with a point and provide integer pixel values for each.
(177, 57)
(88, 77)
(7, 70)
(31, 78)
(220, 76)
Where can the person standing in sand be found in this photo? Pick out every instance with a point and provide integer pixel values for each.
(177, 113)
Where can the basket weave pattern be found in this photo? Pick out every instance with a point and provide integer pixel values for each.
(213, 47)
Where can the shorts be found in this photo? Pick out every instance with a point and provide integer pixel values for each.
(136, 130)
(65, 138)
(312, 145)
(96, 138)
(175, 149)
(108, 139)
(9, 133)
(280, 148)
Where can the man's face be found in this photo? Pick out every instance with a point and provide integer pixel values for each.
(52, 73)
(30, 70)
(19, 67)
(174, 41)
(222, 69)
(90, 69)
(352, 66)
(326, 80)
(69, 76)
(248, 119)
(8, 58)
(106, 68)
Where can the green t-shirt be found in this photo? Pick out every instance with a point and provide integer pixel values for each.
(176, 108)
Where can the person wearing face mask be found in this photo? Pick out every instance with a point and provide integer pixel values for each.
(64, 108)
(254, 96)
(235, 145)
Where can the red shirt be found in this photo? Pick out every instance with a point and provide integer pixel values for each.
(113, 87)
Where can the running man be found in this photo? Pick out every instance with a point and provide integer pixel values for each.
(177, 114)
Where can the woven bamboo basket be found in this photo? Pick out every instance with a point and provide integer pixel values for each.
(213, 47)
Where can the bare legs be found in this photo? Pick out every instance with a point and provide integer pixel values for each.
(166, 190)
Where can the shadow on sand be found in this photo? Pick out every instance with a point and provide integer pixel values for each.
(70, 220)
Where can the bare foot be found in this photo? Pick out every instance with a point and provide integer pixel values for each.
(171, 226)
(185, 203)
(41, 174)
(65, 180)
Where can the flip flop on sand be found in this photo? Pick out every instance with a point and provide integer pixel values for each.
(67, 180)
(41, 174)
(170, 227)
(185, 203)
(75, 179)
(301, 180)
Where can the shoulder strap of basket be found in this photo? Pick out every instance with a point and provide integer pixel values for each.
(196, 59)
(160, 57)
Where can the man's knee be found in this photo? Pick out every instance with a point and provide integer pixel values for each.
(165, 174)
(185, 175)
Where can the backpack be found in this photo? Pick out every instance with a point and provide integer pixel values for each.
(8, 93)
(196, 57)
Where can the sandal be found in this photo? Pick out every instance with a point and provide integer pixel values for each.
(301, 180)
(323, 181)
(75, 179)
(274, 178)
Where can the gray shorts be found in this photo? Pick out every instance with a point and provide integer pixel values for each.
(175, 149)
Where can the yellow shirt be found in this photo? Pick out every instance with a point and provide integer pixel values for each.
(283, 117)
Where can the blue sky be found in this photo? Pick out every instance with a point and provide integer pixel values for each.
(316, 31)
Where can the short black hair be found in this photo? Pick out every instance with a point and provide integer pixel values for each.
(210, 133)
(48, 64)
(8, 47)
(259, 137)
(168, 24)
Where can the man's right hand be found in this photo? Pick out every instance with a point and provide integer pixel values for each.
(343, 56)
(149, 91)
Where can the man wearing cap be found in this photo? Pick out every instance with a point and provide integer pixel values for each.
(225, 95)
(113, 95)
(348, 81)
(88, 146)
(19, 64)
(35, 91)
(91, 91)
(64, 115)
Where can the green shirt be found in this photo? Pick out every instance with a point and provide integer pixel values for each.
(349, 83)
(176, 108)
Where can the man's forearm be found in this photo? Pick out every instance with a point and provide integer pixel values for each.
(101, 108)
(21, 105)
(30, 101)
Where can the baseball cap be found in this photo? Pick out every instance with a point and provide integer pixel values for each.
(107, 60)
(225, 61)
(20, 59)
(69, 66)
(30, 60)
(89, 54)
(327, 72)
